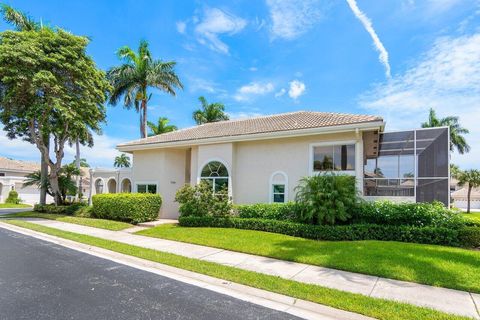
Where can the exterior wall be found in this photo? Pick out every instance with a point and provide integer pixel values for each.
(29, 195)
(462, 204)
(166, 169)
(256, 161)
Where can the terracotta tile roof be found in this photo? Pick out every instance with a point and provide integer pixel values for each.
(18, 165)
(265, 124)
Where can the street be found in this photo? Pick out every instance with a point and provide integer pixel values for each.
(42, 280)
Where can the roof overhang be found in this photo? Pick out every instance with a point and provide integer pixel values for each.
(363, 126)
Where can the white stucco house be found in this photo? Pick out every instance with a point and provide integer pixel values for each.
(262, 159)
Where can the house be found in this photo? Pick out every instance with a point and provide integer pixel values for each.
(13, 174)
(460, 198)
(262, 159)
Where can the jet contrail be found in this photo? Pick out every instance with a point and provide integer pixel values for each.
(376, 41)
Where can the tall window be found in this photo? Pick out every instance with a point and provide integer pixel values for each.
(278, 187)
(215, 174)
(334, 158)
(99, 186)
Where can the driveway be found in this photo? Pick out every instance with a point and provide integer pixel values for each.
(41, 280)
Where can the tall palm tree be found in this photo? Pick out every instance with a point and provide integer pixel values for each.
(122, 161)
(471, 178)
(162, 126)
(138, 72)
(209, 112)
(457, 140)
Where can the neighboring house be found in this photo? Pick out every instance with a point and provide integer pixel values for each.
(460, 198)
(13, 174)
(262, 159)
(110, 180)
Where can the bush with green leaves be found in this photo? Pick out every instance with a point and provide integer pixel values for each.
(129, 207)
(276, 211)
(13, 197)
(326, 198)
(199, 200)
(411, 214)
(463, 237)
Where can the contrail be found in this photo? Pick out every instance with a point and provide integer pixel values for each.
(368, 26)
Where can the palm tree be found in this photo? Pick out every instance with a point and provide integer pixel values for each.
(162, 126)
(122, 161)
(138, 72)
(18, 19)
(457, 140)
(471, 178)
(209, 112)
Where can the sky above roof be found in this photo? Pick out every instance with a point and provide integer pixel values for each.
(395, 59)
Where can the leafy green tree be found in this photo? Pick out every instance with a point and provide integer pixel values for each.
(209, 112)
(471, 179)
(326, 198)
(83, 163)
(455, 170)
(122, 161)
(162, 126)
(457, 140)
(50, 89)
(138, 72)
(23, 22)
(65, 180)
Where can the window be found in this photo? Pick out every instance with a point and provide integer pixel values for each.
(99, 186)
(278, 187)
(146, 188)
(2, 174)
(334, 158)
(215, 174)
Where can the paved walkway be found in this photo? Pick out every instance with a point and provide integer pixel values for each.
(446, 300)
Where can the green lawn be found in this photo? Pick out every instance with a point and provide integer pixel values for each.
(90, 222)
(472, 216)
(13, 206)
(428, 264)
(373, 307)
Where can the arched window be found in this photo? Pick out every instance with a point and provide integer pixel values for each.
(126, 185)
(99, 186)
(278, 187)
(216, 174)
(112, 186)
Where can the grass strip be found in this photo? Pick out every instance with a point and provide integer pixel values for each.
(373, 307)
(89, 222)
(14, 206)
(434, 265)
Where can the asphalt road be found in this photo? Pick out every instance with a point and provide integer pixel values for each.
(42, 280)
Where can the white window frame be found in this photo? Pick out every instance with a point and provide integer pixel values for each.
(285, 183)
(95, 185)
(226, 164)
(329, 144)
(137, 183)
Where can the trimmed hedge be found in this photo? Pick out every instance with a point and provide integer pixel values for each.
(410, 214)
(51, 208)
(464, 237)
(275, 211)
(129, 207)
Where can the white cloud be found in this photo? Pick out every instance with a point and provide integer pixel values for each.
(280, 93)
(297, 88)
(216, 22)
(101, 154)
(181, 26)
(254, 88)
(292, 18)
(446, 78)
(203, 85)
(383, 54)
(253, 69)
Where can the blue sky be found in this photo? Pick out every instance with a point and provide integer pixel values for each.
(392, 58)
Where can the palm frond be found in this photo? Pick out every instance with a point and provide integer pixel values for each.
(20, 20)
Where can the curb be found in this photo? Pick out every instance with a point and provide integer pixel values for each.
(300, 308)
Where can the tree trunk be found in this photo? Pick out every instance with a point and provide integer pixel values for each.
(468, 197)
(44, 177)
(144, 118)
(77, 164)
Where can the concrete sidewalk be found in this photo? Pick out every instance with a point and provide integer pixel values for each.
(446, 300)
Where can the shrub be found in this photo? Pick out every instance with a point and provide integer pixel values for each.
(130, 207)
(50, 208)
(326, 198)
(13, 197)
(466, 237)
(200, 200)
(276, 211)
(411, 214)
